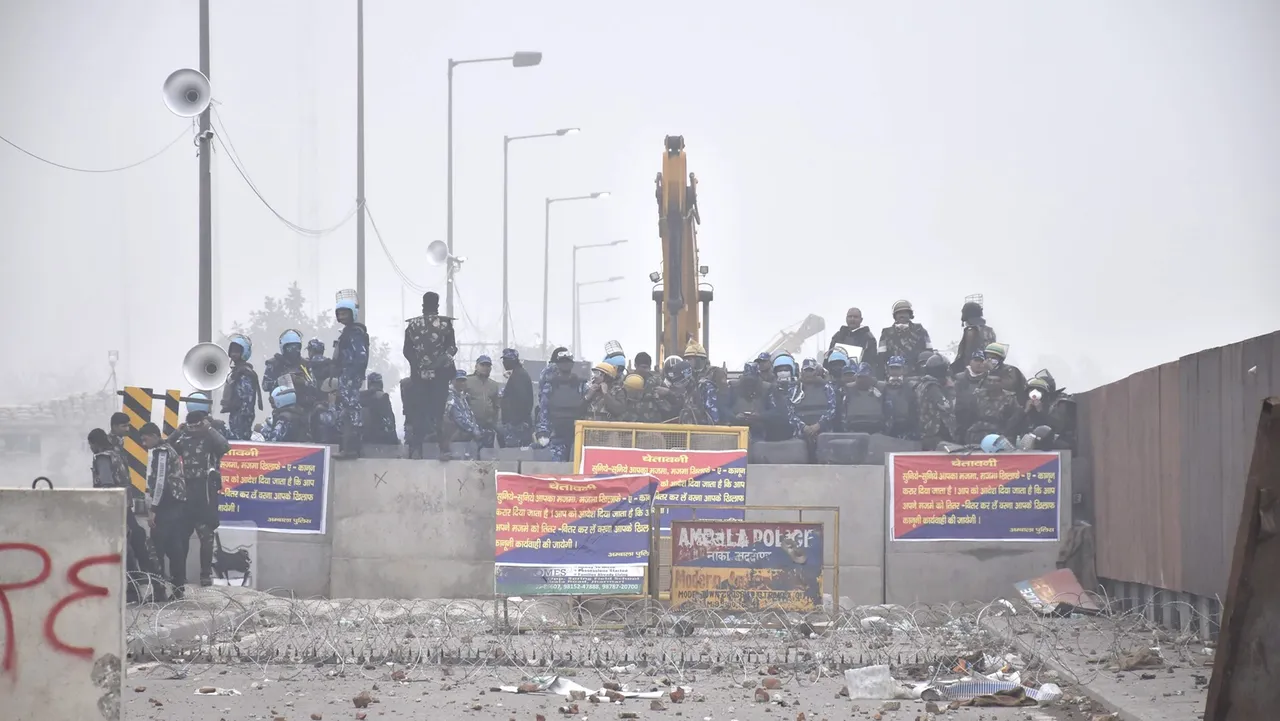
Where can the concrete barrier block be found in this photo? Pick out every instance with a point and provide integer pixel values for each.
(546, 468)
(381, 450)
(858, 491)
(64, 659)
(791, 452)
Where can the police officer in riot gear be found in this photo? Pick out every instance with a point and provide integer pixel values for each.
(429, 346)
(561, 403)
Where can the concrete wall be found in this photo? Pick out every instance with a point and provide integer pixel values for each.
(954, 571)
(859, 493)
(400, 528)
(413, 529)
(74, 672)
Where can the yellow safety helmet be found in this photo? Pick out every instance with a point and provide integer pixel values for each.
(633, 382)
(695, 350)
(608, 369)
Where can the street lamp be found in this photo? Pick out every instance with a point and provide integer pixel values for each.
(577, 293)
(521, 59)
(577, 329)
(546, 255)
(506, 144)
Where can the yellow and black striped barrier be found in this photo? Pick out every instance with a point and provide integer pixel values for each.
(139, 405)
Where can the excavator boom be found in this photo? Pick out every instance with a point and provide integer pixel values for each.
(677, 297)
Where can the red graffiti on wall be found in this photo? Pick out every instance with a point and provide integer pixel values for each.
(9, 661)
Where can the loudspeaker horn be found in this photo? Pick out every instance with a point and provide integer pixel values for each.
(437, 252)
(206, 366)
(187, 92)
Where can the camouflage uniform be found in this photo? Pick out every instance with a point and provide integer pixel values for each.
(429, 346)
(936, 413)
(645, 408)
(321, 368)
(352, 360)
(907, 341)
(238, 400)
(110, 471)
(167, 495)
(201, 457)
(997, 411)
(459, 418)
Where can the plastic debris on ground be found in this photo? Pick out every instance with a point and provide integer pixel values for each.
(214, 691)
(875, 683)
(562, 686)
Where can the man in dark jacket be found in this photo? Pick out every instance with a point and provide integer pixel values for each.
(515, 401)
(854, 333)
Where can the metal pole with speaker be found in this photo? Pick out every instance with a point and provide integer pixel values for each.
(187, 93)
(438, 254)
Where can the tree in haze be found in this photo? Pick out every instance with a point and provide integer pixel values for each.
(280, 314)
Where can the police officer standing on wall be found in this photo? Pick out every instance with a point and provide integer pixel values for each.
(351, 360)
(429, 346)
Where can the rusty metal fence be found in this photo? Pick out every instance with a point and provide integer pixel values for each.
(1166, 453)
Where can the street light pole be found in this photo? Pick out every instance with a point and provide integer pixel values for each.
(361, 301)
(506, 144)
(546, 257)
(578, 328)
(521, 59)
(577, 294)
(577, 248)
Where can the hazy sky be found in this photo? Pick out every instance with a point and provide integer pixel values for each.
(1106, 173)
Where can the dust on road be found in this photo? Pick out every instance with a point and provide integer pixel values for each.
(305, 692)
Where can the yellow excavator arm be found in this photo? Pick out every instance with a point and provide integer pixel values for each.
(678, 292)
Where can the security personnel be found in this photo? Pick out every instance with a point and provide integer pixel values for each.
(483, 394)
(865, 408)
(429, 346)
(286, 362)
(561, 403)
(975, 338)
(242, 391)
(854, 333)
(459, 422)
(936, 412)
(170, 521)
(817, 407)
(702, 406)
(997, 411)
(905, 338)
(1010, 376)
(900, 400)
(781, 422)
(321, 368)
(639, 402)
(201, 446)
(379, 419)
(287, 424)
(109, 471)
(749, 401)
(603, 404)
(614, 356)
(351, 361)
(516, 401)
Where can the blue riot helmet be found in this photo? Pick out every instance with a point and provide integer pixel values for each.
(315, 347)
(346, 300)
(282, 397)
(348, 304)
(837, 357)
(785, 369)
(246, 346)
(288, 338)
(203, 404)
(996, 443)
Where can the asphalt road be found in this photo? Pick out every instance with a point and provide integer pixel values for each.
(312, 693)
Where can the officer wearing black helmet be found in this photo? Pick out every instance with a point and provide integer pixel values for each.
(937, 413)
(561, 403)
